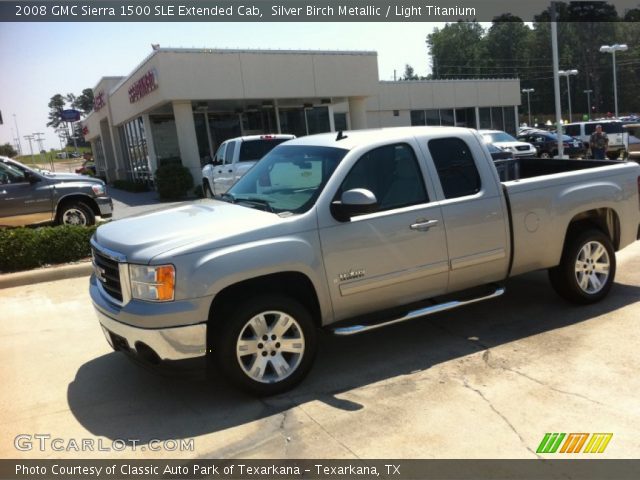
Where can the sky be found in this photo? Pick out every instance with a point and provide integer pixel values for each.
(41, 59)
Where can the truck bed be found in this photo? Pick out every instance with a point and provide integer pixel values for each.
(545, 195)
(520, 168)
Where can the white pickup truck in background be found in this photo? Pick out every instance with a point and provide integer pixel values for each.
(234, 158)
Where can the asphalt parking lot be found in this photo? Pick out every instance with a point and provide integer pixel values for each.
(486, 381)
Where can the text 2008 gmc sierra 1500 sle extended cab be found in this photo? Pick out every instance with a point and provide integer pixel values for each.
(350, 232)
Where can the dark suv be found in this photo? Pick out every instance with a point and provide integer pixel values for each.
(546, 144)
(29, 197)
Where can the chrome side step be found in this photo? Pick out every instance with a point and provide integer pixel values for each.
(440, 307)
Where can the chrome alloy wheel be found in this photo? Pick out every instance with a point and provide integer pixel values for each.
(592, 267)
(74, 216)
(270, 347)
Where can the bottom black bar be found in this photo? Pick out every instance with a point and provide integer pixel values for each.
(583, 469)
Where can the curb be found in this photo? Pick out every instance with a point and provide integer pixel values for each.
(48, 274)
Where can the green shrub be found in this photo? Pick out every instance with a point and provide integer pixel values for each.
(26, 248)
(173, 181)
(129, 186)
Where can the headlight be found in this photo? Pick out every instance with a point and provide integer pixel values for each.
(155, 283)
(99, 189)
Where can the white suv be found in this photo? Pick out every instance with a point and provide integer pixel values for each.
(613, 128)
(506, 142)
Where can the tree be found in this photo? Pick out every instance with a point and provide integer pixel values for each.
(456, 50)
(409, 73)
(84, 102)
(56, 106)
(7, 150)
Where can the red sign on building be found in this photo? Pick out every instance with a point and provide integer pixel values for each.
(143, 86)
(99, 101)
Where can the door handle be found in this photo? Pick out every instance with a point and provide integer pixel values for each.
(423, 225)
(230, 171)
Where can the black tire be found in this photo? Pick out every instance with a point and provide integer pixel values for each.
(545, 155)
(207, 189)
(228, 334)
(568, 279)
(75, 213)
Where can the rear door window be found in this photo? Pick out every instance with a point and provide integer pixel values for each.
(456, 168)
(228, 156)
(573, 130)
(253, 150)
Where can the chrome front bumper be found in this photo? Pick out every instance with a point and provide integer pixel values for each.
(177, 343)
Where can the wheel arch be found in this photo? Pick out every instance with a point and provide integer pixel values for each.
(294, 284)
(77, 197)
(604, 219)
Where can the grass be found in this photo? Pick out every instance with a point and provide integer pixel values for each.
(46, 158)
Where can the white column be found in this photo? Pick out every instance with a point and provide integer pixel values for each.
(477, 109)
(332, 121)
(151, 146)
(187, 140)
(358, 113)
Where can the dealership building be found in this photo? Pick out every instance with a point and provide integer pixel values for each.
(178, 105)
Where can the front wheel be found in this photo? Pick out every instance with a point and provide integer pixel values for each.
(264, 346)
(76, 213)
(587, 268)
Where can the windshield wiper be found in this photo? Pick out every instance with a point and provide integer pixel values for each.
(257, 201)
(226, 197)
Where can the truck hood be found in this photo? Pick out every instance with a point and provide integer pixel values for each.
(71, 177)
(513, 144)
(211, 222)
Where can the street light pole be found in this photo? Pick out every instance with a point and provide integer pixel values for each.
(566, 73)
(528, 91)
(17, 134)
(588, 92)
(612, 50)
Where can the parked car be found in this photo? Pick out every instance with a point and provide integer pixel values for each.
(506, 142)
(613, 128)
(546, 144)
(633, 141)
(349, 233)
(28, 197)
(234, 158)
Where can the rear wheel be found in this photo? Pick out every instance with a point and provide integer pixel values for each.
(587, 268)
(266, 345)
(76, 213)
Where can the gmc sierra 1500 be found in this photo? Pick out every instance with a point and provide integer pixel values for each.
(350, 232)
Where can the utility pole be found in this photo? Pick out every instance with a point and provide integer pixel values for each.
(38, 138)
(30, 137)
(17, 134)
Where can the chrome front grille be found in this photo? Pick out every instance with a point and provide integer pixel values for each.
(108, 274)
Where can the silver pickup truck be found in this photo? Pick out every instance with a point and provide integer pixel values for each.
(350, 232)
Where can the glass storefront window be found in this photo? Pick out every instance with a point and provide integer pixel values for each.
(293, 121)
(485, 117)
(432, 117)
(199, 121)
(133, 142)
(417, 118)
(317, 120)
(446, 117)
(340, 121)
(497, 122)
(466, 117)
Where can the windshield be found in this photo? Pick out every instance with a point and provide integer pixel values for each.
(287, 179)
(496, 137)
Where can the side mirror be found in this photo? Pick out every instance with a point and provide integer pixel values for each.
(216, 162)
(31, 178)
(358, 201)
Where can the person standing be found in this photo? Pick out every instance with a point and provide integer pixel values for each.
(598, 143)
